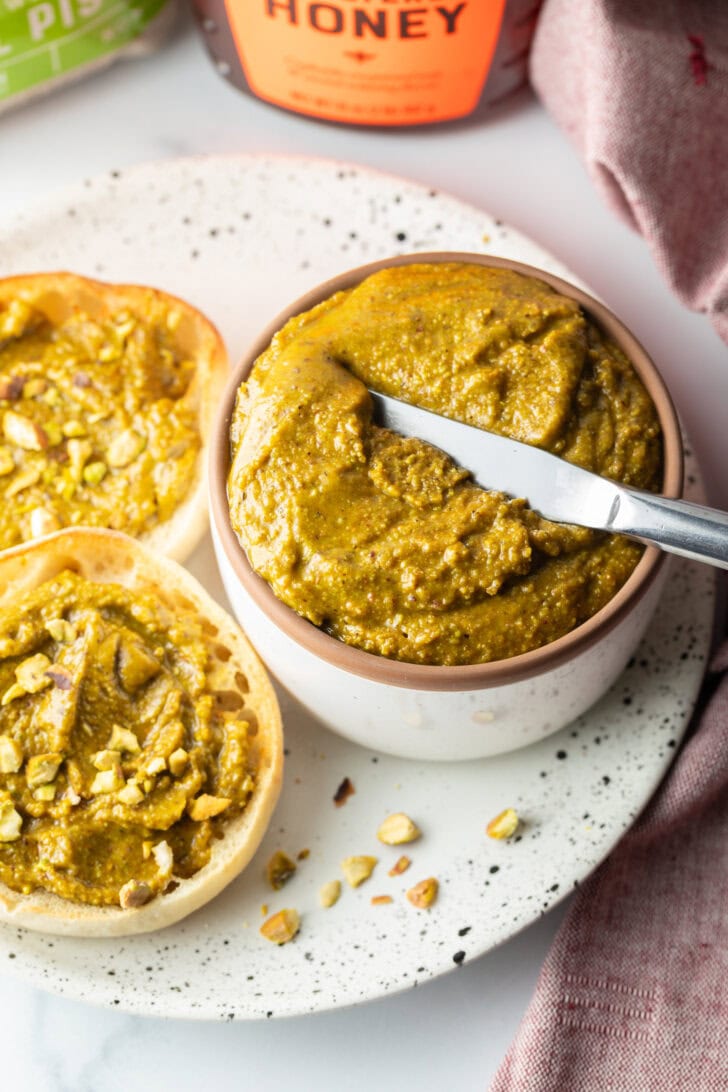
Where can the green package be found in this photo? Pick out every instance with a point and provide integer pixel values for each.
(45, 41)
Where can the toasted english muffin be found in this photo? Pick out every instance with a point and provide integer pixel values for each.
(107, 394)
(140, 739)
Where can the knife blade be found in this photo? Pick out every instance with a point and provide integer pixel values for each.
(560, 491)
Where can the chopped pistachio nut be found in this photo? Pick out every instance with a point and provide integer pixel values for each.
(424, 893)
(107, 781)
(133, 894)
(94, 473)
(79, 453)
(42, 769)
(11, 387)
(11, 756)
(282, 927)
(279, 869)
(343, 792)
(23, 432)
(124, 448)
(123, 739)
(60, 677)
(155, 765)
(330, 893)
(73, 429)
(381, 900)
(125, 326)
(135, 666)
(504, 825)
(401, 865)
(61, 630)
(147, 850)
(358, 869)
(11, 821)
(164, 857)
(33, 387)
(43, 522)
(53, 433)
(31, 673)
(7, 462)
(131, 794)
(31, 475)
(206, 806)
(13, 692)
(106, 760)
(45, 792)
(177, 761)
(397, 830)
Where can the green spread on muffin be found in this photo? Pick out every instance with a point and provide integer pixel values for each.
(119, 764)
(98, 425)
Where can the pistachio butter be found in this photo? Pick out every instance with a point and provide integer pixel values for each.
(97, 422)
(382, 540)
(119, 763)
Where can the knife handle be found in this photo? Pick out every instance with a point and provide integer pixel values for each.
(678, 526)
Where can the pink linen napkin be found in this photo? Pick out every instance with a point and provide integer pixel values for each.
(633, 996)
(641, 87)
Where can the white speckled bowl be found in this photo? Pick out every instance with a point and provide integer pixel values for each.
(444, 713)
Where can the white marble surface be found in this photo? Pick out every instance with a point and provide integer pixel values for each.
(454, 1031)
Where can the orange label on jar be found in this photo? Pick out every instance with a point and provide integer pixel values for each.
(375, 62)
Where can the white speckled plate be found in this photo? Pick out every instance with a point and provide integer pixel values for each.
(240, 237)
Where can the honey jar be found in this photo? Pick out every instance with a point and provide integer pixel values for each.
(372, 62)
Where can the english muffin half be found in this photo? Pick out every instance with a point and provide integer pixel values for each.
(140, 738)
(107, 394)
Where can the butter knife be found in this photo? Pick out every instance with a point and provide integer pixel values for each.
(560, 491)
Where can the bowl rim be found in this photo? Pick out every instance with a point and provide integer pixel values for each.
(399, 673)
